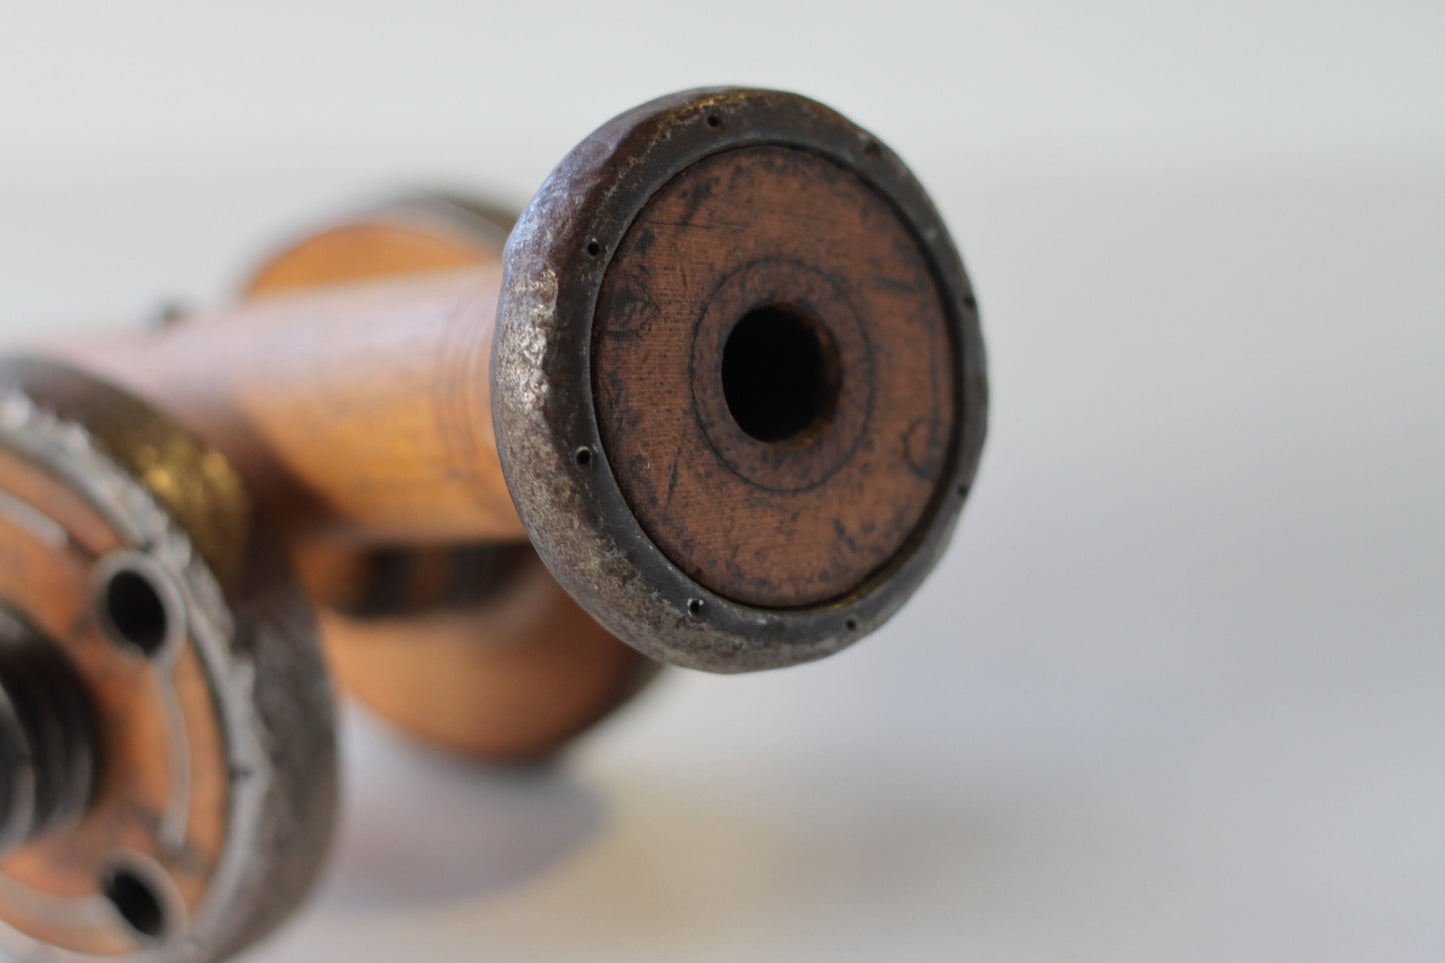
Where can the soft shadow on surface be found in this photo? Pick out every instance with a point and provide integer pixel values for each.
(718, 861)
(422, 829)
(745, 863)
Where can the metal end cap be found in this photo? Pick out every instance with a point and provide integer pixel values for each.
(738, 379)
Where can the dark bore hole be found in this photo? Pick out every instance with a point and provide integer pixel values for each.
(584, 457)
(136, 902)
(780, 373)
(135, 611)
(594, 248)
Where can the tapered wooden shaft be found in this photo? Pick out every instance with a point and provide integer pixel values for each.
(367, 404)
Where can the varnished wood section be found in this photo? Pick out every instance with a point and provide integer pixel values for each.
(398, 240)
(366, 404)
(472, 648)
(513, 677)
(368, 251)
(806, 512)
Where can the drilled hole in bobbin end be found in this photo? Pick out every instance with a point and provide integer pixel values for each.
(133, 610)
(135, 900)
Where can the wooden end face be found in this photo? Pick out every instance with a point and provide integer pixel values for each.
(773, 378)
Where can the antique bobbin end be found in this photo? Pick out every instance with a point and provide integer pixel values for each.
(738, 380)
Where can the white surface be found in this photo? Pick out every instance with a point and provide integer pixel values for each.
(1175, 693)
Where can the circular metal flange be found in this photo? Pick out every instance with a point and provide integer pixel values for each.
(131, 548)
(649, 579)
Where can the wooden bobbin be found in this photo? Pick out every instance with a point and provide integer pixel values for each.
(728, 379)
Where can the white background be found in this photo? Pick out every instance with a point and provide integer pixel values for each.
(1178, 690)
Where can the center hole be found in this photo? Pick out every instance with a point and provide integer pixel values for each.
(134, 609)
(136, 902)
(780, 373)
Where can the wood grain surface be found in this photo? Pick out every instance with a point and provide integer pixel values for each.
(470, 647)
(367, 404)
(369, 250)
(787, 236)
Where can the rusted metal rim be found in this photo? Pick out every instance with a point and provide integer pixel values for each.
(230, 684)
(542, 397)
